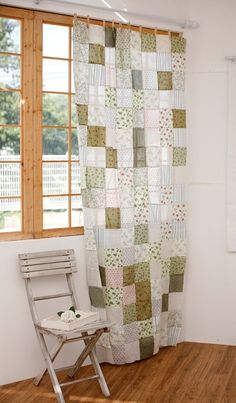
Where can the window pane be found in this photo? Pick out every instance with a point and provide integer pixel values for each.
(10, 179)
(10, 215)
(9, 71)
(74, 145)
(55, 75)
(55, 110)
(10, 35)
(55, 178)
(77, 219)
(75, 178)
(55, 212)
(9, 143)
(55, 144)
(9, 107)
(55, 41)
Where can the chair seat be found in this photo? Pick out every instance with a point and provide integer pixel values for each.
(91, 327)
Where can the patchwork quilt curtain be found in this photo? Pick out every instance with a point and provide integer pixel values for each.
(132, 136)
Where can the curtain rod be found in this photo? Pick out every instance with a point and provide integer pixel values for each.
(181, 23)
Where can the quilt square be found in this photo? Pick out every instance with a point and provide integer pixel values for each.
(112, 217)
(110, 37)
(96, 54)
(123, 38)
(140, 177)
(146, 346)
(127, 237)
(97, 297)
(131, 332)
(149, 80)
(139, 157)
(123, 78)
(179, 156)
(140, 234)
(113, 257)
(129, 296)
(82, 113)
(176, 283)
(138, 99)
(179, 118)
(128, 275)
(111, 157)
(96, 34)
(96, 136)
(138, 137)
(163, 44)
(110, 97)
(124, 118)
(143, 300)
(129, 314)
(164, 80)
(123, 60)
(95, 177)
(124, 98)
(142, 271)
(178, 44)
(145, 328)
(113, 296)
(114, 277)
(148, 42)
(177, 265)
(96, 115)
(165, 302)
(137, 79)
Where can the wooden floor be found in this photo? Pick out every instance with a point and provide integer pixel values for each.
(190, 372)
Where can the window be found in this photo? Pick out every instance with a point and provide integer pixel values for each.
(39, 155)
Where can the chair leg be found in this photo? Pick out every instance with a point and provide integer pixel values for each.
(55, 351)
(51, 371)
(98, 371)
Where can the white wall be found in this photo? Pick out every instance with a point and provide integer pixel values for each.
(211, 273)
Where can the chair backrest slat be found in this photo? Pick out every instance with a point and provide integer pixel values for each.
(47, 263)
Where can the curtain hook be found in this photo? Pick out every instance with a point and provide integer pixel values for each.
(113, 24)
(88, 20)
(120, 25)
(140, 29)
(156, 30)
(169, 34)
(104, 23)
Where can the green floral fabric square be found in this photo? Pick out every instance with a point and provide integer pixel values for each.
(148, 42)
(128, 275)
(140, 234)
(124, 118)
(97, 297)
(177, 264)
(113, 257)
(179, 118)
(96, 136)
(129, 314)
(164, 80)
(155, 251)
(143, 300)
(95, 177)
(110, 97)
(138, 137)
(140, 196)
(176, 283)
(112, 217)
(139, 157)
(142, 272)
(138, 99)
(111, 157)
(145, 328)
(123, 60)
(146, 347)
(82, 112)
(113, 296)
(178, 44)
(165, 303)
(110, 37)
(179, 156)
(137, 79)
(102, 272)
(96, 54)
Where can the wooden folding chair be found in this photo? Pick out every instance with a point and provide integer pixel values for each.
(54, 263)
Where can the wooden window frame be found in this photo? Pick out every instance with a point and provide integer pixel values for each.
(31, 123)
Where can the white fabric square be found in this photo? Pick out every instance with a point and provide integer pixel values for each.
(127, 237)
(110, 117)
(96, 74)
(149, 80)
(126, 217)
(167, 175)
(124, 138)
(94, 217)
(136, 59)
(165, 98)
(124, 98)
(112, 198)
(111, 137)
(111, 178)
(95, 157)
(152, 118)
(154, 231)
(164, 62)
(155, 270)
(175, 300)
(110, 56)
(166, 155)
(81, 52)
(135, 40)
(149, 60)
(152, 137)
(151, 99)
(82, 135)
(96, 95)
(96, 115)
(125, 157)
(141, 253)
(112, 238)
(163, 44)
(154, 216)
(178, 61)
(153, 156)
(96, 34)
(138, 118)
(154, 176)
(177, 99)
(123, 78)
(128, 256)
(127, 197)
(154, 193)
(178, 80)
(180, 139)
(110, 76)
